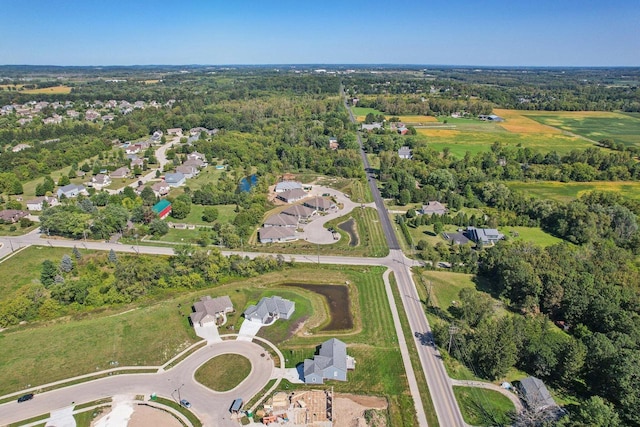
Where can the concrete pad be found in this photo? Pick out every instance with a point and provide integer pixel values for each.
(290, 374)
(120, 414)
(208, 332)
(62, 418)
(248, 330)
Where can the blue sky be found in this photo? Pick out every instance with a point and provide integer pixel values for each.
(463, 32)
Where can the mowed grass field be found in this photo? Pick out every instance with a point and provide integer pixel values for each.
(566, 191)
(411, 120)
(483, 407)
(595, 125)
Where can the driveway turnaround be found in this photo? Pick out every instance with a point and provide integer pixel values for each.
(177, 383)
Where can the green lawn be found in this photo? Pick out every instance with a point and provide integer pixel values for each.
(5, 229)
(481, 407)
(226, 214)
(224, 372)
(530, 234)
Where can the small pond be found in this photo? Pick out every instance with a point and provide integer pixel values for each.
(350, 228)
(247, 183)
(337, 297)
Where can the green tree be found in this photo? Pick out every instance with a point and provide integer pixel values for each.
(48, 273)
(158, 227)
(209, 214)
(66, 264)
(113, 258)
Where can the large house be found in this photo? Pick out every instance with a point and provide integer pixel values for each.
(161, 188)
(37, 204)
(122, 172)
(71, 190)
(280, 220)
(283, 186)
(276, 234)
(100, 180)
(292, 196)
(371, 126)
(484, 236)
(270, 309)
(175, 179)
(12, 215)
(302, 213)
(187, 170)
(433, 208)
(211, 310)
(331, 363)
(174, 131)
(320, 204)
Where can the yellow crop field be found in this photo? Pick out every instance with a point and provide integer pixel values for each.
(49, 90)
(417, 119)
(151, 82)
(516, 122)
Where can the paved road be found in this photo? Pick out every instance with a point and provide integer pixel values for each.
(211, 407)
(440, 386)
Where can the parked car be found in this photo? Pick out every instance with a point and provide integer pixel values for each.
(25, 398)
(185, 403)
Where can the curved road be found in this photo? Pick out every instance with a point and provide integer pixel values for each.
(211, 407)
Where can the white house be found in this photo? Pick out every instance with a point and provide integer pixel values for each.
(71, 190)
(37, 204)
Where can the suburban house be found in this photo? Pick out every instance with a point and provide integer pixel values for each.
(37, 204)
(333, 143)
(162, 208)
(433, 208)
(535, 394)
(121, 172)
(405, 152)
(174, 131)
(277, 234)
(196, 163)
(483, 235)
(211, 310)
(270, 309)
(371, 126)
(136, 162)
(71, 190)
(132, 149)
(402, 129)
(161, 188)
(91, 115)
(283, 186)
(12, 215)
(292, 196)
(320, 204)
(331, 363)
(196, 156)
(187, 171)
(302, 213)
(100, 180)
(279, 220)
(175, 179)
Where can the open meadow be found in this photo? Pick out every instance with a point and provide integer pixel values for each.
(566, 191)
(53, 90)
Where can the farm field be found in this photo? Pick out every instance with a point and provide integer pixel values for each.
(565, 191)
(595, 125)
(61, 89)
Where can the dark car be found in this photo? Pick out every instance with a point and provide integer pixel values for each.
(25, 398)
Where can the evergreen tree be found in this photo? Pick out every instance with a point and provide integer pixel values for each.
(76, 253)
(113, 258)
(66, 264)
(48, 273)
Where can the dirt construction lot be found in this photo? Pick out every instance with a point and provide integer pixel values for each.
(349, 410)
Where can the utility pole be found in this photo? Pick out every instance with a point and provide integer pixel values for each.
(452, 331)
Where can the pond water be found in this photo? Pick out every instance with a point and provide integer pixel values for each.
(350, 228)
(337, 297)
(247, 183)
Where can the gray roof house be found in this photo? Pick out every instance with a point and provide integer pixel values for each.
(211, 310)
(161, 188)
(331, 363)
(405, 152)
(100, 180)
(433, 207)
(122, 172)
(483, 235)
(371, 126)
(291, 196)
(280, 220)
(276, 234)
(320, 204)
(287, 185)
(299, 211)
(71, 190)
(270, 309)
(187, 170)
(175, 179)
(535, 394)
(37, 203)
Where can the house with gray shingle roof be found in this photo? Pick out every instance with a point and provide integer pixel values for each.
(535, 394)
(270, 309)
(433, 207)
(299, 211)
(211, 310)
(277, 234)
(320, 204)
(291, 196)
(485, 236)
(280, 220)
(71, 190)
(331, 363)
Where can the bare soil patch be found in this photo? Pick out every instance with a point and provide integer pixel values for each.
(146, 416)
(350, 411)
